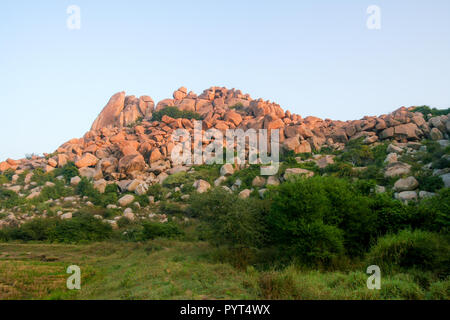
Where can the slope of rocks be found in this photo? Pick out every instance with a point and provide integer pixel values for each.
(125, 147)
(117, 149)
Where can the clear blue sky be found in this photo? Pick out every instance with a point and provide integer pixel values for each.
(313, 57)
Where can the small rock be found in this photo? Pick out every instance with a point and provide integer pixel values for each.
(406, 196)
(219, 181)
(227, 170)
(126, 200)
(391, 157)
(75, 181)
(245, 193)
(394, 149)
(395, 169)
(67, 215)
(258, 181)
(426, 194)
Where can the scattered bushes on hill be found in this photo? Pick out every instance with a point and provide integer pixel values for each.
(9, 198)
(175, 113)
(55, 192)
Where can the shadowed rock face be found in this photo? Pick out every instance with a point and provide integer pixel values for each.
(121, 111)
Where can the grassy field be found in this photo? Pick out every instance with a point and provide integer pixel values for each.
(164, 269)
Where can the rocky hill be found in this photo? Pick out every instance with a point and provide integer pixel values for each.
(128, 147)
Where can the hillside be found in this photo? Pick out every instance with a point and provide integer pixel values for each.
(345, 195)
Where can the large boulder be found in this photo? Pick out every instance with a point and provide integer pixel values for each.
(109, 116)
(130, 163)
(406, 184)
(396, 169)
(86, 160)
(436, 134)
(201, 185)
(100, 185)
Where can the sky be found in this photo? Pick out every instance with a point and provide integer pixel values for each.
(312, 57)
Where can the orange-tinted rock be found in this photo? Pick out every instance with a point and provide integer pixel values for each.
(4, 166)
(86, 160)
(110, 114)
(233, 117)
(155, 155)
(62, 160)
(130, 163)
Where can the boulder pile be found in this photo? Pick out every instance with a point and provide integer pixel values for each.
(124, 144)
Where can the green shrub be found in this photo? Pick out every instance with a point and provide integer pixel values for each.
(229, 220)
(175, 113)
(57, 191)
(238, 106)
(432, 214)
(8, 174)
(426, 110)
(152, 230)
(81, 228)
(302, 206)
(407, 249)
(340, 170)
(3, 179)
(9, 198)
(38, 229)
(429, 182)
(439, 290)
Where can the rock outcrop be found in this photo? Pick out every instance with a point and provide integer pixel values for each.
(124, 143)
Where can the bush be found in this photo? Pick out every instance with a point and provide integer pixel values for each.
(57, 191)
(229, 220)
(37, 229)
(9, 198)
(430, 183)
(426, 110)
(435, 212)
(319, 206)
(408, 249)
(175, 113)
(81, 227)
(86, 189)
(68, 171)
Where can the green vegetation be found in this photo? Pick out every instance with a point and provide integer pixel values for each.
(175, 113)
(80, 228)
(426, 110)
(303, 239)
